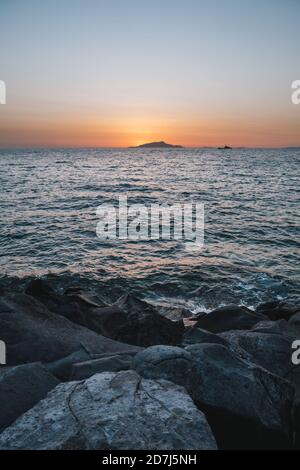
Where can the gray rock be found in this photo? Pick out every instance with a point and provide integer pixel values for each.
(136, 322)
(33, 333)
(81, 365)
(174, 313)
(21, 387)
(246, 406)
(165, 362)
(278, 309)
(294, 322)
(129, 320)
(296, 408)
(62, 368)
(228, 318)
(112, 411)
(278, 327)
(268, 350)
(194, 335)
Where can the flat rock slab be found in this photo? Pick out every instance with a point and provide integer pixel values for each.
(33, 333)
(104, 363)
(112, 411)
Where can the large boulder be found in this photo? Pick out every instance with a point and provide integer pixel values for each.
(296, 408)
(33, 333)
(278, 327)
(228, 318)
(73, 304)
(246, 406)
(271, 351)
(112, 411)
(129, 320)
(278, 309)
(294, 322)
(195, 335)
(21, 387)
(136, 322)
(73, 296)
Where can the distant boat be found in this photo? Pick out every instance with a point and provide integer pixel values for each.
(157, 145)
(226, 147)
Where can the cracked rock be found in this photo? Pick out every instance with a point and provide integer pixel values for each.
(112, 411)
(246, 406)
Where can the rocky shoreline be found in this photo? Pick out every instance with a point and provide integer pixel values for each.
(81, 374)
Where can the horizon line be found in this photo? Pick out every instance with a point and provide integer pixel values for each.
(22, 147)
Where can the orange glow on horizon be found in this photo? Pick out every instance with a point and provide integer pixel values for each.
(132, 131)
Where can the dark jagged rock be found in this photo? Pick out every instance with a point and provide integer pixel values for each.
(74, 304)
(33, 333)
(271, 351)
(278, 310)
(228, 318)
(246, 406)
(137, 322)
(233, 362)
(112, 411)
(194, 335)
(21, 387)
(279, 327)
(38, 288)
(294, 322)
(174, 313)
(129, 320)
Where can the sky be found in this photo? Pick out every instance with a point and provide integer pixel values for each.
(117, 73)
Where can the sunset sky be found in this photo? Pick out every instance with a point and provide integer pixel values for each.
(119, 73)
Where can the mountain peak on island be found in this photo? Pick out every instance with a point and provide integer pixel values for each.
(157, 145)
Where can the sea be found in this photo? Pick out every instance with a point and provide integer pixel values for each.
(251, 198)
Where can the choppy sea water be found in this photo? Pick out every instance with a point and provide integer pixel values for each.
(251, 197)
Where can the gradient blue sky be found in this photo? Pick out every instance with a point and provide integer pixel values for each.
(118, 73)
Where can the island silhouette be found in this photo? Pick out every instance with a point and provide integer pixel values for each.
(160, 144)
